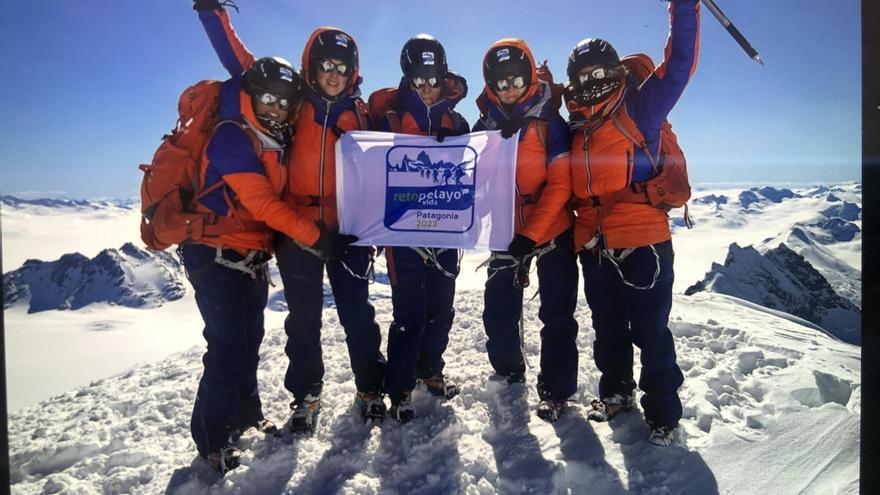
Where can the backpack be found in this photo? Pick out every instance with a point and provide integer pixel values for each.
(383, 103)
(669, 187)
(170, 186)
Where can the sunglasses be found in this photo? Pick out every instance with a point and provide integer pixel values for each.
(517, 82)
(327, 65)
(419, 82)
(270, 99)
(596, 74)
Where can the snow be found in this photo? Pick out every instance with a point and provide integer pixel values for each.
(101, 396)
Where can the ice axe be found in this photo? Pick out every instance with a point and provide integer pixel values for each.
(743, 42)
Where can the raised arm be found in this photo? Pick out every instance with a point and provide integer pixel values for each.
(661, 91)
(234, 56)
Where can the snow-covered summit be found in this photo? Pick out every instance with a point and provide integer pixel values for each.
(129, 276)
(756, 385)
(782, 279)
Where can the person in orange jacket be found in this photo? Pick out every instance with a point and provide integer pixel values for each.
(422, 278)
(331, 107)
(516, 102)
(626, 248)
(243, 177)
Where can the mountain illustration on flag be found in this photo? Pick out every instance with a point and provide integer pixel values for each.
(439, 172)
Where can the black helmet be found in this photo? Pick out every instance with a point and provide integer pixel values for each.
(273, 75)
(591, 51)
(595, 87)
(423, 56)
(334, 43)
(505, 61)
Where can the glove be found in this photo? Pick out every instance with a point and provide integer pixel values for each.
(324, 244)
(333, 244)
(443, 133)
(509, 128)
(342, 244)
(520, 246)
(206, 5)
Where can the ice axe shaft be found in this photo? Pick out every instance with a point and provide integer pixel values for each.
(743, 42)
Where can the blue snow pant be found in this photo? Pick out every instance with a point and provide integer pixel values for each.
(422, 297)
(303, 276)
(231, 304)
(623, 316)
(558, 280)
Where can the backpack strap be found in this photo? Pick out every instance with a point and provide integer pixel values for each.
(636, 137)
(362, 114)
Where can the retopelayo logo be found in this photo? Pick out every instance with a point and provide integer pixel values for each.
(430, 188)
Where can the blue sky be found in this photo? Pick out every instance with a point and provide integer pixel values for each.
(90, 87)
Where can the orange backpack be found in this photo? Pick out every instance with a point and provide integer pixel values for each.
(383, 103)
(669, 187)
(169, 189)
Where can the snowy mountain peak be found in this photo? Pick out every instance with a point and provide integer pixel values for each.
(129, 276)
(776, 195)
(846, 210)
(782, 279)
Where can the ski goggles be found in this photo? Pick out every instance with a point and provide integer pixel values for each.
(328, 65)
(599, 73)
(269, 99)
(418, 82)
(518, 82)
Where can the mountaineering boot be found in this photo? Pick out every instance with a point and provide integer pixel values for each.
(402, 410)
(370, 404)
(516, 378)
(225, 459)
(550, 410)
(305, 414)
(607, 407)
(441, 386)
(662, 436)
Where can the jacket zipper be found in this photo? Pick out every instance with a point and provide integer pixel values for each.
(321, 168)
(587, 162)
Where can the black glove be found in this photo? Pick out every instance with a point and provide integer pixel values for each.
(509, 128)
(520, 246)
(443, 133)
(333, 244)
(324, 244)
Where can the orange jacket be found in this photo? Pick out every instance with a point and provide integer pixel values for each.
(602, 162)
(248, 161)
(543, 178)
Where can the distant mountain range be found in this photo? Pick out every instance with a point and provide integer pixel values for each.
(128, 276)
(14, 201)
(784, 280)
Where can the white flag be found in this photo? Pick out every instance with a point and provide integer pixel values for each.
(404, 190)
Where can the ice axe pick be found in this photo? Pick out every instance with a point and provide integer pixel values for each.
(743, 42)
